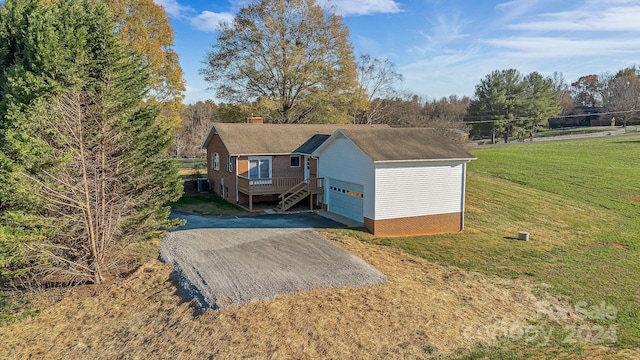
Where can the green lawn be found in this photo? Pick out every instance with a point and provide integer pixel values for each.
(580, 201)
(207, 204)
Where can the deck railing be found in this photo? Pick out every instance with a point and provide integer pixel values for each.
(267, 186)
(310, 186)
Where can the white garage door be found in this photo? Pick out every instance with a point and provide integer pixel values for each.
(346, 199)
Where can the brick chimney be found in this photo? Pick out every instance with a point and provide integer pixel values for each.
(254, 120)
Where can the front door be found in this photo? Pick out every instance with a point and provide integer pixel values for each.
(307, 167)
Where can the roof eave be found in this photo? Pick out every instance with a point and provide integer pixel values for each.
(423, 160)
(264, 154)
(212, 132)
(329, 140)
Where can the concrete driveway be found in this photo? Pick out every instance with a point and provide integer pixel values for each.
(224, 261)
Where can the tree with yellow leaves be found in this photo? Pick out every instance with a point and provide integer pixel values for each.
(144, 26)
(291, 57)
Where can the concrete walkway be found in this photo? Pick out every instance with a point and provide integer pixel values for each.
(340, 219)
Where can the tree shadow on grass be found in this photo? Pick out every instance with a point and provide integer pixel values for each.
(634, 141)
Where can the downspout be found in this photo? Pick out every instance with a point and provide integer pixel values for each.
(317, 176)
(236, 171)
(464, 193)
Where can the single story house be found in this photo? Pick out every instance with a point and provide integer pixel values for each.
(395, 181)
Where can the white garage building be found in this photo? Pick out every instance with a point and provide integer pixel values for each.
(408, 181)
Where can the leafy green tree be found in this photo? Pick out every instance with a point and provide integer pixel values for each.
(540, 103)
(497, 103)
(84, 163)
(509, 104)
(288, 55)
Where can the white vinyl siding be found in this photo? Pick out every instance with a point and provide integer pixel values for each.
(342, 160)
(417, 189)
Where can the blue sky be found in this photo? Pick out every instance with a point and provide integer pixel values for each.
(445, 47)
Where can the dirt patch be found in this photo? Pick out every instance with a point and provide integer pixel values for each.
(224, 267)
(618, 246)
(636, 199)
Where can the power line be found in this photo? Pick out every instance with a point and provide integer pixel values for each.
(552, 117)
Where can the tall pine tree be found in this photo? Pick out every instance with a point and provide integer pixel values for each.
(86, 169)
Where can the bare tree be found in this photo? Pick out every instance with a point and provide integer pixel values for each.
(377, 79)
(95, 193)
(563, 93)
(621, 93)
(195, 124)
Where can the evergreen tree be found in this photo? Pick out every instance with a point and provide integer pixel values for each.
(86, 169)
(509, 104)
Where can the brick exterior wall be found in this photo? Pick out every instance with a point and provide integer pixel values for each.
(417, 225)
(282, 167)
(216, 176)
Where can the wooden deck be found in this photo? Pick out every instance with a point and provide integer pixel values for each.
(277, 186)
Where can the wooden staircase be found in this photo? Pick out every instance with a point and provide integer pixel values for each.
(294, 195)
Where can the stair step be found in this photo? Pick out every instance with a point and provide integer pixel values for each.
(293, 199)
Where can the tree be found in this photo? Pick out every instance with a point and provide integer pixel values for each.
(291, 56)
(377, 79)
(144, 26)
(541, 102)
(195, 125)
(621, 93)
(497, 103)
(563, 93)
(510, 104)
(85, 164)
(586, 91)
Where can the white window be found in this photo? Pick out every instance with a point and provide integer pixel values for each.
(260, 168)
(229, 163)
(295, 160)
(215, 161)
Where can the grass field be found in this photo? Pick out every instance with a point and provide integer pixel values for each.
(580, 201)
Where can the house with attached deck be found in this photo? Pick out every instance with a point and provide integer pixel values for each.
(395, 181)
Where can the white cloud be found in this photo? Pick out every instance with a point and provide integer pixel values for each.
(363, 7)
(556, 47)
(588, 18)
(210, 21)
(444, 30)
(174, 9)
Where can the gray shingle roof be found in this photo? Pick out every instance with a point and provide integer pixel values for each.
(379, 142)
(312, 144)
(397, 144)
(256, 139)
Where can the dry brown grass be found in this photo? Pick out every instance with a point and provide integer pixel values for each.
(421, 311)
